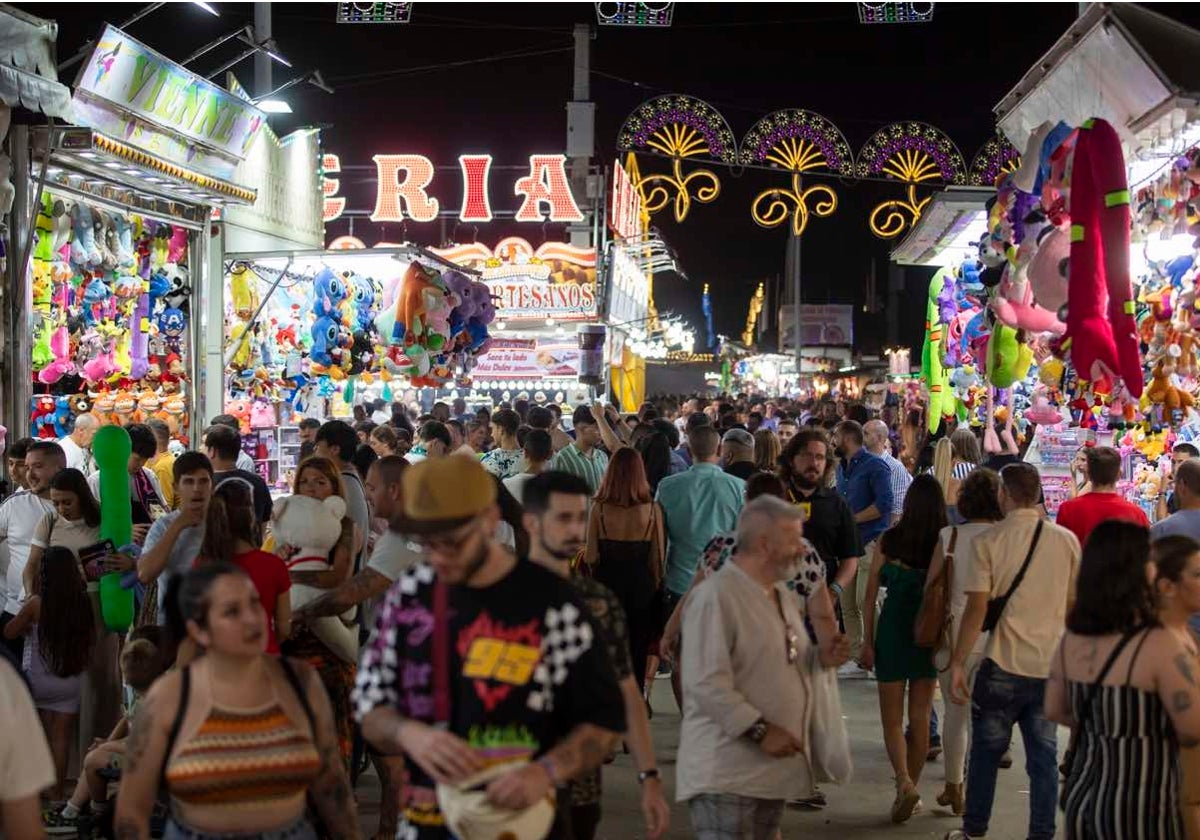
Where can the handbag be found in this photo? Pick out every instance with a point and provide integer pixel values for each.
(1085, 710)
(931, 628)
(995, 606)
(827, 735)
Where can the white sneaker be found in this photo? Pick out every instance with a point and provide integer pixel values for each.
(959, 834)
(852, 671)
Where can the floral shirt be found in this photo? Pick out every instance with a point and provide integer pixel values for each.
(503, 463)
(723, 546)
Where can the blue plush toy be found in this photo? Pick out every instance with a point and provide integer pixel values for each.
(325, 339)
(329, 290)
(171, 324)
(364, 301)
(62, 416)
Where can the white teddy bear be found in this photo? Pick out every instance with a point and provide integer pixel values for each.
(313, 528)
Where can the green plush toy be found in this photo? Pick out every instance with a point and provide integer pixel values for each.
(932, 372)
(111, 448)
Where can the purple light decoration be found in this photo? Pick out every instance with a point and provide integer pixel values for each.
(692, 113)
(912, 137)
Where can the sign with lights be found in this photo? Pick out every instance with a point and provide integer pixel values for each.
(556, 281)
(625, 206)
(635, 14)
(403, 181)
(333, 205)
(895, 12)
(150, 91)
(374, 12)
(515, 358)
(629, 292)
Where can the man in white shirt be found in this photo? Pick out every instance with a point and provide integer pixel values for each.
(77, 446)
(740, 702)
(539, 449)
(19, 518)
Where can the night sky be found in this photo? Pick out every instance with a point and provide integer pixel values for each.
(746, 59)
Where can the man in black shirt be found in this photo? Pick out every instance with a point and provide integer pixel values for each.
(737, 453)
(222, 445)
(486, 671)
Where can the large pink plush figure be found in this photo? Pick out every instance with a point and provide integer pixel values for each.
(1101, 329)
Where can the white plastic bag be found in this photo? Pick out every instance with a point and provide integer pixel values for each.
(827, 735)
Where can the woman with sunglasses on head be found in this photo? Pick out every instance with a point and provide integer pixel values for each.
(240, 740)
(900, 565)
(319, 479)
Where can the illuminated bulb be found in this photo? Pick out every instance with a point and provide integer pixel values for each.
(549, 322)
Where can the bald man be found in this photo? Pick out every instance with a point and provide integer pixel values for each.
(877, 442)
(77, 446)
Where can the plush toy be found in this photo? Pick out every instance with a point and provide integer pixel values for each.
(102, 228)
(243, 294)
(123, 241)
(61, 364)
(148, 406)
(417, 294)
(103, 405)
(111, 448)
(177, 245)
(179, 294)
(324, 341)
(84, 252)
(240, 411)
(124, 405)
(313, 528)
(79, 404)
(329, 290)
(101, 365)
(1162, 391)
(139, 331)
(363, 298)
(96, 297)
(171, 324)
(41, 419)
(262, 415)
(1102, 344)
(932, 372)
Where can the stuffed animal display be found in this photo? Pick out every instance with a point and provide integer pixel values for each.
(105, 318)
(313, 528)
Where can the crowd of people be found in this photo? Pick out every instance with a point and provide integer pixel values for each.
(477, 604)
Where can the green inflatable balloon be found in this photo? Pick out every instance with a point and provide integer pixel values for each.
(111, 448)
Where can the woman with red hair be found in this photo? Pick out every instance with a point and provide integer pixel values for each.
(626, 548)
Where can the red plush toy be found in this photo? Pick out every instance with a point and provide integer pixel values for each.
(1102, 344)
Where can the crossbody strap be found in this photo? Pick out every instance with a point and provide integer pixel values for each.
(185, 693)
(1085, 708)
(1037, 533)
(294, 681)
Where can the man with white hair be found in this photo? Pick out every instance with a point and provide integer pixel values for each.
(77, 446)
(739, 701)
(877, 442)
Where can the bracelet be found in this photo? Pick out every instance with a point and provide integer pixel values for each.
(547, 764)
(652, 773)
(837, 588)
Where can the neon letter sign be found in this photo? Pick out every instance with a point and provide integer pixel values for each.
(547, 183)
(475, 205)
(418, 173)
(333, 205)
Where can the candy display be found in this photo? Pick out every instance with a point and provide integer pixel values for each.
(111, 313)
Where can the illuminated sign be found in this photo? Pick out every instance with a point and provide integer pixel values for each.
(625, 208)
(155, 90)
(629, 296)
(334, 205)
(402, 190)
(514, 358)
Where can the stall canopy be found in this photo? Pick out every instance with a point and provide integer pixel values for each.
(949, 228)
(28, 77)
(1123, 63)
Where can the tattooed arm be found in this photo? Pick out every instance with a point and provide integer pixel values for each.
(145, 752)
(1177, 677)
(364, 586)
(582, 751)
(330, 791)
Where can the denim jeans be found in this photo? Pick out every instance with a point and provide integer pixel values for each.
(998, 700)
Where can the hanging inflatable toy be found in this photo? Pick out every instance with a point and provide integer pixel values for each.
(111, 448)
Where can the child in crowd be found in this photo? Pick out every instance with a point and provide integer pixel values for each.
(141, 664)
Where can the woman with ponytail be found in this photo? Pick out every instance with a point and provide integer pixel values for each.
(231, 534)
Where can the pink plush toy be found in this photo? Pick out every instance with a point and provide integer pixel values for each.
(60, 346)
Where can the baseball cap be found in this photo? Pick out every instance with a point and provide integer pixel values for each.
(740, 436)
(440, 494)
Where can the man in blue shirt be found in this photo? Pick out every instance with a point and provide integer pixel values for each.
(865, 482)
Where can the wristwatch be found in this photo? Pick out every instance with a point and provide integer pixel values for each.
(643, 775)
(758, 731)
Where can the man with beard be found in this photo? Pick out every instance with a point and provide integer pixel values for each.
(828, 521)
(484, 670)
(556, 517)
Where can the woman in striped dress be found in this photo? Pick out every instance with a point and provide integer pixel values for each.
(1129, 686)
(966, 457)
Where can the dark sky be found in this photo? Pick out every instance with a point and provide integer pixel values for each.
(746, 59)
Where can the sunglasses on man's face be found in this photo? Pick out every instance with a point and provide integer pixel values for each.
(446, 543)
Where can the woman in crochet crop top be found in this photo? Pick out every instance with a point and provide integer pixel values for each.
(238, 738)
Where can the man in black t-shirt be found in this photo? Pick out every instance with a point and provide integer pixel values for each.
(222, 445)
(486, 671)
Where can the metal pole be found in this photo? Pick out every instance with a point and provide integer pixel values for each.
(262, 61)
(794, 287)
(18, 351)
(581, 133)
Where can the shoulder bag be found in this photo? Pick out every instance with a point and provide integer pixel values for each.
(931, 629)
(995, 606)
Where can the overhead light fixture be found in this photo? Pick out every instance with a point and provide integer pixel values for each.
(635, 14)
(206, 7)
(246, 35)
(895, 12)
(274, 106)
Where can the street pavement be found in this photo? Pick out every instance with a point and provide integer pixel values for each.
(858, 810)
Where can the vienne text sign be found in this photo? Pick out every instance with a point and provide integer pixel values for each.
(403, 181)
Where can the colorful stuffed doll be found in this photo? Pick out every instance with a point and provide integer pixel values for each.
(84, 252)
(329, 290)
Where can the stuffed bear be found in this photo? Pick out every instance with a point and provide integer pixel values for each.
(313, 528)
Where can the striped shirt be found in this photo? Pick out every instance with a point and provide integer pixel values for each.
(962, 469)
(900, 482)
(588, 467)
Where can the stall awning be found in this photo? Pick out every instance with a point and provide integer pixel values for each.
(96, 166)
(1123, 63)
(948, 229)
(28, 77)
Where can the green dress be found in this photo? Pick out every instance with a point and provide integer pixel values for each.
(896, 657)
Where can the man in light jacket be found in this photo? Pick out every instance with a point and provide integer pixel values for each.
(746, 691)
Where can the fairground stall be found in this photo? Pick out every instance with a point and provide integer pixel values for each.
(120, 203)
(1043, 333)
(313, 333)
